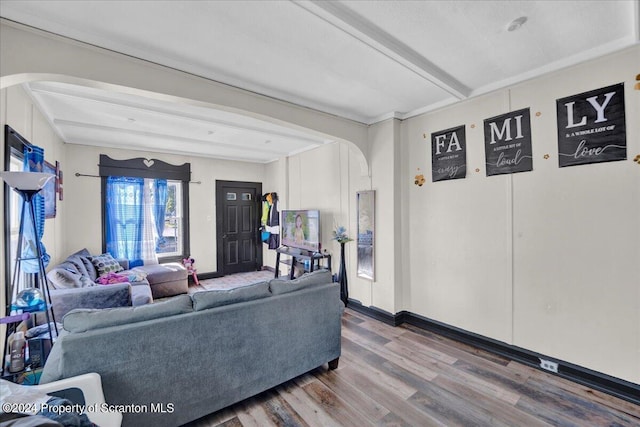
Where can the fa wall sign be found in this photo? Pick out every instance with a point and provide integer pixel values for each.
(591, 127)
(448, 154)
(507, 143)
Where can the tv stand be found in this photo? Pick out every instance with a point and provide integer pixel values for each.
(298, 255)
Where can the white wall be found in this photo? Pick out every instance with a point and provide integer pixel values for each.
(18, 111)
(546, 260)
(83, 198)
(385, 179)
(459, 230)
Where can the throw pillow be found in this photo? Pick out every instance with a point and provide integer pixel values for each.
(82, 319)
(66, 275)
(84, 256)
(80, 266)
(283, 286)
(111, 278)
(88, 265)
(105, 264)
(134, 275)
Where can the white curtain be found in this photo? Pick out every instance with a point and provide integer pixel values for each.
(149, 233)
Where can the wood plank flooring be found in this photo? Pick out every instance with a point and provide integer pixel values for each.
(405, 376)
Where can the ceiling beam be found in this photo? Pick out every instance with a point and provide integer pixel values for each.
(370, 34)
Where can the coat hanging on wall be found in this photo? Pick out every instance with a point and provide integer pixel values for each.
(270, 220)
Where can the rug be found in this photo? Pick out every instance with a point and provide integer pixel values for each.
(232, 281)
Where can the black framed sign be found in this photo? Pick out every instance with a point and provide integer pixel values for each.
(591, 127)
(449, 154)
(507, 143)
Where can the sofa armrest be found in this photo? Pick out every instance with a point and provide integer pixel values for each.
(124, 263)
(91, 386)
(100, 296)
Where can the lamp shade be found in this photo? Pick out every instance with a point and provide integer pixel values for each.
(26, 180)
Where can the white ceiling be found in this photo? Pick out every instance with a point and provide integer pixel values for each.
(362, 60)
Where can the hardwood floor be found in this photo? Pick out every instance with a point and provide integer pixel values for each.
(405, 376)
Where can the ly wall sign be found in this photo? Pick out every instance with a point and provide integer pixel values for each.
(507, 143)
(591, 127)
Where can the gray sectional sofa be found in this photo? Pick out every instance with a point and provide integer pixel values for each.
(177, 360)
(72, 284)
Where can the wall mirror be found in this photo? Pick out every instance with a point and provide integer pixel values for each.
(366, 233)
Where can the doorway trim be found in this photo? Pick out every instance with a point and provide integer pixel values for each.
(220, 216)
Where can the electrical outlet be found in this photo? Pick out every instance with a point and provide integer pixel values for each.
(549, 365)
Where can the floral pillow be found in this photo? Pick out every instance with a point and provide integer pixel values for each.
(125, 276)
(105, 264)
(111, 278)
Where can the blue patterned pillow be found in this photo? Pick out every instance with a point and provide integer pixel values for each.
(105, 264)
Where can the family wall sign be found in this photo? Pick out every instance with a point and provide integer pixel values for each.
(591, 129)
(449, 154)
(507, 143)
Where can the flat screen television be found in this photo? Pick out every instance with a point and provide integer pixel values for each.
(301, 229)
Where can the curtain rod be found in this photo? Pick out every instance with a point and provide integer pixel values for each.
(98, 176)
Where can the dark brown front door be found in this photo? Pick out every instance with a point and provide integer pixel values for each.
(238, 222)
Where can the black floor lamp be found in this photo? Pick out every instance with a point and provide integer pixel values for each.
(35, 298)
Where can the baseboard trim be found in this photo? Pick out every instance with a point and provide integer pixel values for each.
(593, 379)
(205, 276)
(376, 313)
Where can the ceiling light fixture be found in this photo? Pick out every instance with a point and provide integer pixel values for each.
(131, 119)
(211, 132)
(268, 141)
(516, 23)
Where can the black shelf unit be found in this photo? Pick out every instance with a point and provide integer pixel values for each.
(298, 257)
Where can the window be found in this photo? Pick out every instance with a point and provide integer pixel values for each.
(143, 218)
(145, 212)
(18, 154)
(170, 242)
(13, 225)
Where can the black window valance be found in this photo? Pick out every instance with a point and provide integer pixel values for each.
(143, 168)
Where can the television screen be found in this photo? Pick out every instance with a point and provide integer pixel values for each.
(301, 229)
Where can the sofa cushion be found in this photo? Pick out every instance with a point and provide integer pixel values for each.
(141, 294)
(65, 300)
(283, 286)
(82, 320)
(80, 266)
(105, 264)
(88, 265)
(66, 275)
(218, 297)
(84, 255)
(159, 273)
